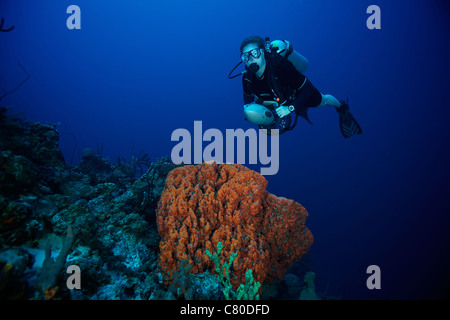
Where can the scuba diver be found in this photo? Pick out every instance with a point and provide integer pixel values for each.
(276, 89)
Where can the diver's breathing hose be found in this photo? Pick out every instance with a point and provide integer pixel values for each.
(253, 68)
(236, 75)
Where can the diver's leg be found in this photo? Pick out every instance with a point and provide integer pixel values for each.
(329, 100)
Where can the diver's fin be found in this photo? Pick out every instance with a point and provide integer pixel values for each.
(304, 114)
(349, 126)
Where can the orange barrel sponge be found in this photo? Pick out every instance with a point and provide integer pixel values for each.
(202, 205)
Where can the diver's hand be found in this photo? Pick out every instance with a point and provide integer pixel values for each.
(283, 111)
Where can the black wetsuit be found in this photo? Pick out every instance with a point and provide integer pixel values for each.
(290, 85)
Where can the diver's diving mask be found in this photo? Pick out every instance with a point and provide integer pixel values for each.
(255, 53)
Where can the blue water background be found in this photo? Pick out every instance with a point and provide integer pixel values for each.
(138, 70)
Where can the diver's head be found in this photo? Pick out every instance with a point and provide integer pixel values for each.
(252, 52)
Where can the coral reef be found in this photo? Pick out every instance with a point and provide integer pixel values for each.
(31, 167)
(222, 270)
(111, 213)
(309, 290)
(211, 203)
(51, 268)
(115, 225)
